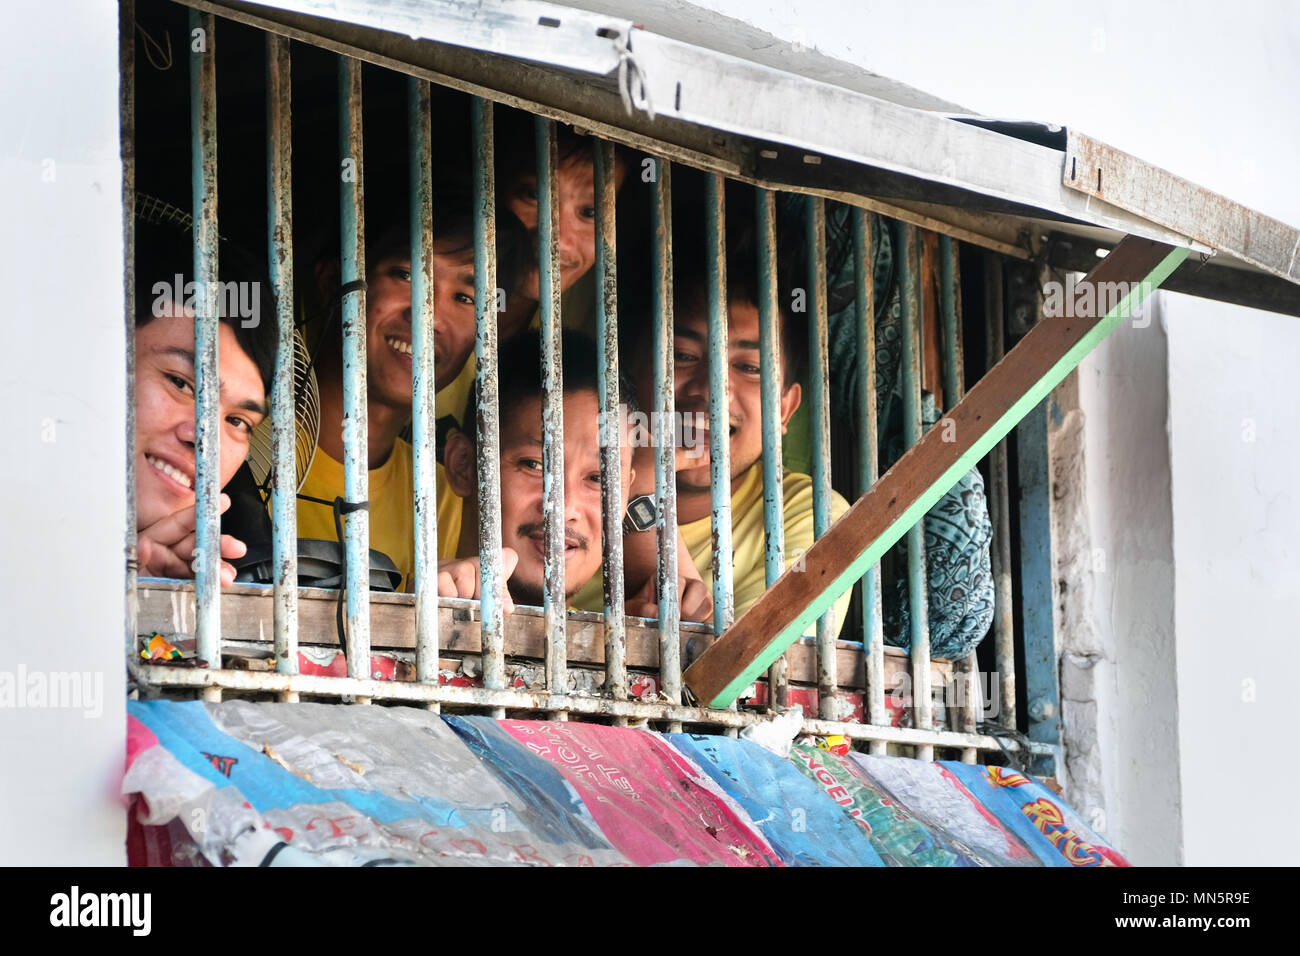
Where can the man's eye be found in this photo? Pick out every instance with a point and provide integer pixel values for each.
(587, 212)
(747, 368)
(181, 384)
(242, 425)
(682, 358)
(400, 274)
(528, 192)
(530, 464)
(463, 298)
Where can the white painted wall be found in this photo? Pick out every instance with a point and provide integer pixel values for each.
(62, 391)
(1208, 90)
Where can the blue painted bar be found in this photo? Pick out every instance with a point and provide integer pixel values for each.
(1033, 476)
(488, 445)
(868, 463)
(965, 670)
(820, 402)
(126, 96)
(917, 596)
(284, 431)
(770, 385)
(715, 224)
(423, 379)
(356, 458)
(611, 452)
(554, 604)
(661, 265)
(207, 382)
(950, 305)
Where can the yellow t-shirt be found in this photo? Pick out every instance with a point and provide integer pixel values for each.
(747, 540)
(392, 508)
(747, 537)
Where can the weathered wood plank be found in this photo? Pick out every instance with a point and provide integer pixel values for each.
(247, 615)
(925, 472)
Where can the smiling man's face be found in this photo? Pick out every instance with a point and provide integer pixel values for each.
(388, 323)
(691, 389)
(521, 492)
(164, 412)
(575, 178)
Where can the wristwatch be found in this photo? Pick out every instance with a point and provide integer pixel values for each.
(641, 514)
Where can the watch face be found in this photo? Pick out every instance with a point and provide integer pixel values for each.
(641, 513)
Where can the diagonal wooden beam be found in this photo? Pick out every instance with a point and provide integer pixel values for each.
(925, 473)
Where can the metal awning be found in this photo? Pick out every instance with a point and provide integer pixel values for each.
(766, 111)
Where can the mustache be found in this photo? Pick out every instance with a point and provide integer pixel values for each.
(571, 538)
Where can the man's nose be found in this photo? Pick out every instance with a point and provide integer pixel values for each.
(570, 241)
(186, 432)
(693, 383)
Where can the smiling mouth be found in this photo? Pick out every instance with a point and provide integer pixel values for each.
(398, 345)
(170, 471)
(571, 546)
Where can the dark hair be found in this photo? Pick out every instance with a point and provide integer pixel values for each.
(519, 374)
(516, 151)
(165, 249)
(453, 231)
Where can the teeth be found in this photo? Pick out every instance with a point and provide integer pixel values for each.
(169, 471)
(398, 345)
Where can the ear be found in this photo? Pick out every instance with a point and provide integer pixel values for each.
(790, 404)
(327, 273)
(459, 462)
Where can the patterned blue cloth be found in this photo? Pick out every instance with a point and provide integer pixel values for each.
(957, 529)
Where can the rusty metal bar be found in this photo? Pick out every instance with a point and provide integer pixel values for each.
(554, 604)
(661, 265)
(161, 677)
(966, 670)
(126, 105)
(820, 401)
(771, 382)
(917, 594)
(356, 458)
(611, 451)
(488, 445)
(1000, 508)
(284, 432)
(207, 364)
(868, 463)
(715, 227)
(423, 378)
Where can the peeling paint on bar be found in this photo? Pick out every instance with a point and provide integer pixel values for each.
(820, 401)
(770, 384)
(284, 432)
(715, 224)
(1004, 660)
(423, 377)
(488, 444)
(611, 487)
(661, 265)
(554, 603)
(126, 57)
(268, 682)
(356, 458)
(207, 382)
(868, 462)
(953, 391)
(917, 592)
